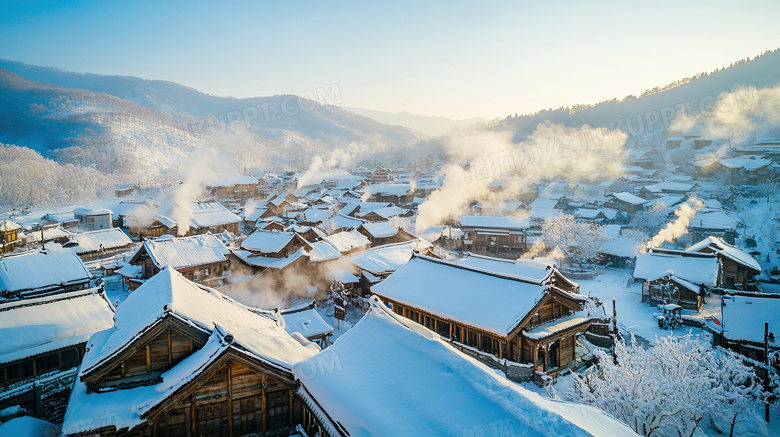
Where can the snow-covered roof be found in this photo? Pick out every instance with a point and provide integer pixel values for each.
(268, 262)
(521, 268)
(397, 378)
(92, 211)
(708, 219)
(468, 295)
(387, 258)
(92, 241)
(621, 246)
(268, 241)
(662, 187)
(49, 234)
(323, 251)
(494, 222)
(8, 225)
(35, 326)
(168, 292)
(305, 321)
(699, 270)
(206, 215)
(385, 213)
(41, 270)
(388, 189)
(341, 221)
(721, 247)
(628, 198)
(379, 229)
(554, 327)
(185, 252)
(743, 317)
(346, 241)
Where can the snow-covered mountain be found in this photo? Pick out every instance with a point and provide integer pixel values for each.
(429, 125)
(63, 115)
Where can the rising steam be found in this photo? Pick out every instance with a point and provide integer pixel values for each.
(679, 226)
(488, 167)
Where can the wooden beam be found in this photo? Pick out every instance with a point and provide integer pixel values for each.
(148, 360)
(230, 398)
(264, 403)
(170, 348)
(193, 418)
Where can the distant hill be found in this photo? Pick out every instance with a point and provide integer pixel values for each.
(68, 116)
(429, 125)
(762, 71)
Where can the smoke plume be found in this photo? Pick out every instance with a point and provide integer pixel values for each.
(488, 167)
(679, 226)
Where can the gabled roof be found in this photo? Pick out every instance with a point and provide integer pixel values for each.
(184, 252)
(8, 225)
(346, 241)
(495, 222)
(306, 321)
(743, 317)
(397, 378)
(527, 269)
(379, 229)
(722, 248)
(205, 215)
(709, 219)
(267, 242)
(699, 270)
(35, 326)
(169, 294)
(92, 211)
(33, 271)
(628, 198)
(465, 294)
(388, 189)
(389, 257)
(93, 241)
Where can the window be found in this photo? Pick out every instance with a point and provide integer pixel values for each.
(70, 358)
(47, 363)
(278, 408)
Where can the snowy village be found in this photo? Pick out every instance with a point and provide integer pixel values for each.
(175, 263)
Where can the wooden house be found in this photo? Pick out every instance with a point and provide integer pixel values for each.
(43, 342)
(381, 233)
(670, 276)
(427, 387)
(521, 319)
(66, 219)
(504, 237)
(380, 175)
(238, 188)
(9, 236)
(711, 223)
(741, 324)
(211, 217)
(183, 359)
(625, 202)
(305, 320)
(91, 219)
(376, 264)
(200, 258)
(35, 274)
(397, 194)
(99, 244)
(737, 268)
(273, 250)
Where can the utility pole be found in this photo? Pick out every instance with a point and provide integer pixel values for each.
(766, 368)
(614, 332)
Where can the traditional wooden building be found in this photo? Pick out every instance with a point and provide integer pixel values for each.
(396, 378)
(35, 274)
(43, 340)
(504, 237)
(377, 263)
(305, 320)
(397, 194)
(521, 319)
(99, 244)
(211, 217)
(677, 277)
(9, 236)
(737, 268)
(200, 258)
(741, 324)
(238, 188)
(382, 233)
(273, 250)
(183, 359)
(149, 224)
(625, 202)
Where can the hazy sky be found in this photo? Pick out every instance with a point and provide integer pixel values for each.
(454, 59)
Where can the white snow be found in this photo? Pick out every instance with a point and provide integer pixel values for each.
(522, 268)
(95, 240)
(390, 377)
(473, 297)
(35, 270)
(494, 222)
(307, 322)
(35, 326)
(721, 247)
(379, 229)
(699, 270)
(267, 241)
(347, 241)
(184, 252)
(27, 426)
(388, 258)
(744, 316)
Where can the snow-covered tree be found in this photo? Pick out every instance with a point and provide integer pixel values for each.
(671, 388)
(651, 220)
(580, 242)
(769, 188)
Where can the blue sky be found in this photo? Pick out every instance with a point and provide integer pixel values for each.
(454, 59)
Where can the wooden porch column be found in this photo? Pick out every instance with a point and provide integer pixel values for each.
(546, 356)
